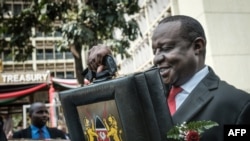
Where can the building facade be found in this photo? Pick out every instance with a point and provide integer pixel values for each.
(44, 60)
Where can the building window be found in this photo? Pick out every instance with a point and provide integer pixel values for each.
(40, 67)
(68, 55)
(19, 67)
(29, 57)
(17, 9)
(39, 33)
(28, 67)
(49, 54)
(39, 54)
(7, 56)
(59, 55)
(70, 74)
(58, 34)
(60, 74)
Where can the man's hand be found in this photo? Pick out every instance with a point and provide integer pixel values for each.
(95, 57)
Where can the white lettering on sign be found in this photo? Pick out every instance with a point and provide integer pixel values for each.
(236, 132)
(18, 78)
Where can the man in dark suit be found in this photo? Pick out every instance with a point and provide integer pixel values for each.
(179, 46)
(39, 116)
(2, 134)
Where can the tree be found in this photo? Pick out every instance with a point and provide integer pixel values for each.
(82, 24)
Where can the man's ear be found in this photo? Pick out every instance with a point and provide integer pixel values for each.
(199, 45)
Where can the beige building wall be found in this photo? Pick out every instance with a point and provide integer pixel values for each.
(227, 27)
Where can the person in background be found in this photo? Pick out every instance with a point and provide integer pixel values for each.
(39, 116)
(2, 134)
(8, 124)
(179, 47)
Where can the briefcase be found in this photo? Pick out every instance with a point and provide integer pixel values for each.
(128, 108)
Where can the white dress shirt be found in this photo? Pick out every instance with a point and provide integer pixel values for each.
(190, 85)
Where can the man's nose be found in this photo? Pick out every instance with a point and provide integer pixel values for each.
(158, 59)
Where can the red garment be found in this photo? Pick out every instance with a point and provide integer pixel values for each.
(171, 98)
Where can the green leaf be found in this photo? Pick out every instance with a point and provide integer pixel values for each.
(178, 131)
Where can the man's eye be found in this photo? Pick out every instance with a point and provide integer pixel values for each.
(41, 112)
(163, 49)
(166, 48)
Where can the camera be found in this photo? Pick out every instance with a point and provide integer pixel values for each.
(106, 74)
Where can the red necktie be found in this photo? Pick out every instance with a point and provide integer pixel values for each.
(171, 98)
(41, 135)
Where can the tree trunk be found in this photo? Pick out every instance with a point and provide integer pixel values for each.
(76, 51)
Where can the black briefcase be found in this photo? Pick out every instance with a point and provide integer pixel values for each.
(129, 108)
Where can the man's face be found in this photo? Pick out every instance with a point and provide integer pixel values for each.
(40, 116)
(174, 55)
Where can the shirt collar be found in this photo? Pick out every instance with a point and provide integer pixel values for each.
(34, 128)
(193, 82)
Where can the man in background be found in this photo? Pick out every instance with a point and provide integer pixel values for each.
(2, 134)
(39, 116)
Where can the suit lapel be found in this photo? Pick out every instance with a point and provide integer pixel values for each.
(192, 105)
(197, 99)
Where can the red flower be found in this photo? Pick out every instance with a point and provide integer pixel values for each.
(192, 136)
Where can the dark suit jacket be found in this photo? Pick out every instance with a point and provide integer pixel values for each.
(2, 135)
(212, 99)
(26, 133)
